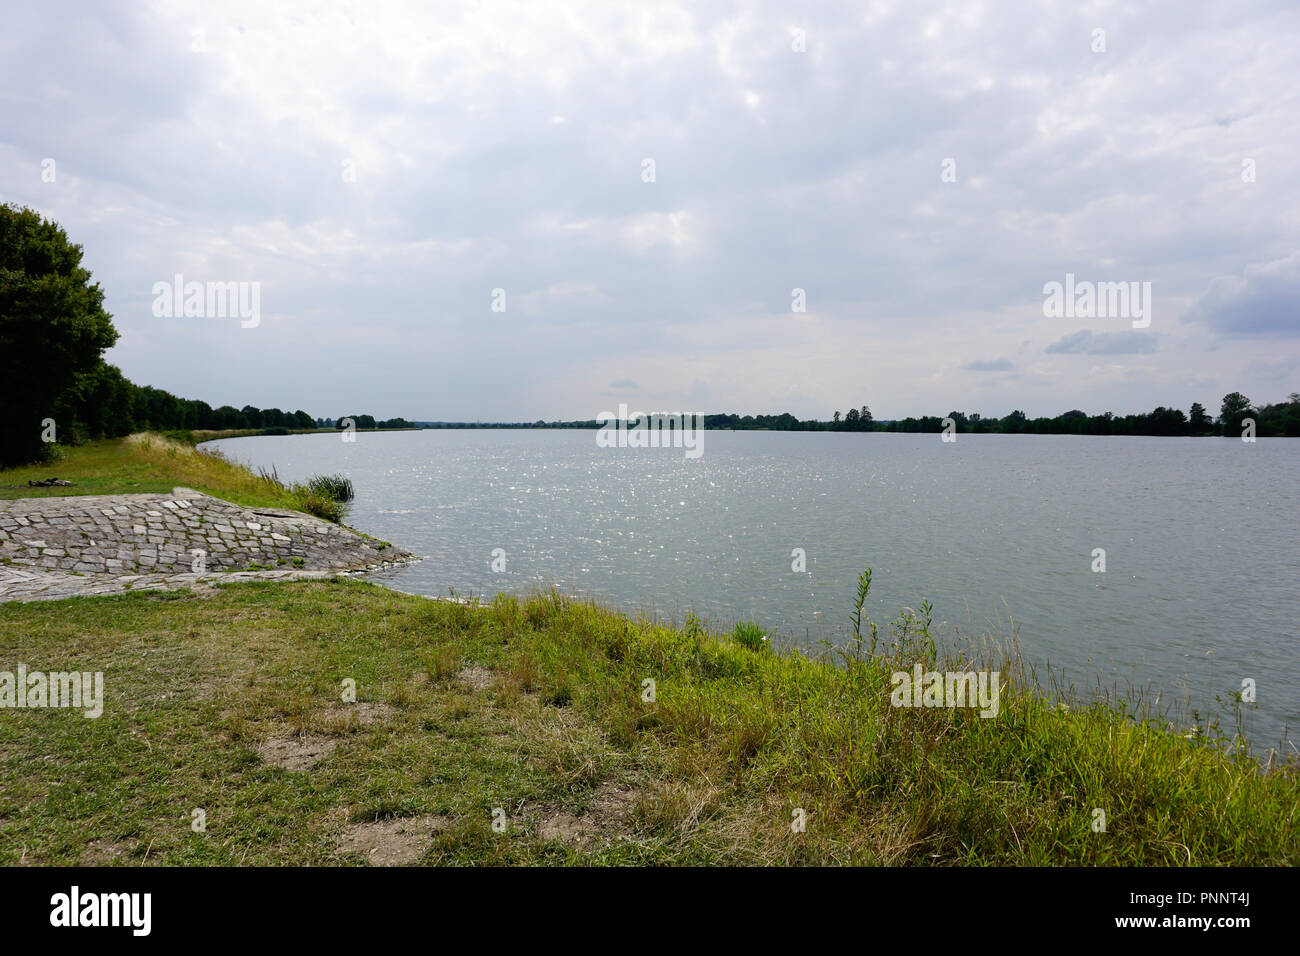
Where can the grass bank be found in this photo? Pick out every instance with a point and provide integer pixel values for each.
(536, 715)
(149, 463)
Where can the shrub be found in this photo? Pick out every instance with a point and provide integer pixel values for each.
(322, 506)
(337, 487)
(750, 634)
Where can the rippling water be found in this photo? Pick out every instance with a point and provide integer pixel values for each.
(1200, 587)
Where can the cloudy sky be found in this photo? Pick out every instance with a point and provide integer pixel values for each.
(650, 182)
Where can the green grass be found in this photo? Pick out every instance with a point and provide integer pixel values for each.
(149, 463)
(750, 634)
(557, 716)
(337, 487)
(145, 464)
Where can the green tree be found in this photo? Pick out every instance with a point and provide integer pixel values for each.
(1236, 407)
(53, 328)
(1167, 421)
(1198, 420)
(227, 416)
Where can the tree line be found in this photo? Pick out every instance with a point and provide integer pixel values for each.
(1278, 420)
(54, 383)
(56, 386)
(1274, 420)
(102, 403)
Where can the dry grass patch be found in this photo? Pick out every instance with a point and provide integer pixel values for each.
(106, 853)
(476, 678)
(442, 664)
(523, 677)
(605, 820)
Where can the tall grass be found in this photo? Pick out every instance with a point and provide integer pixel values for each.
(1045, 781)
(338, 487)
(750, 634)
(324, 496)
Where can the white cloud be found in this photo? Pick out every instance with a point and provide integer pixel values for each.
(500, 145)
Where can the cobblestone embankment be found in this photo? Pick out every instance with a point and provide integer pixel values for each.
(105, 544)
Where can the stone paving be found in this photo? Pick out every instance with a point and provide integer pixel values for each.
(82, 545)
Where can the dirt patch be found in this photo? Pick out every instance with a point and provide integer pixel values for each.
(362, 713)
(575, 831)
(104, 852)
(476, 678)
(396, 842)
(296, 751)
(613, 802)
(603, 820)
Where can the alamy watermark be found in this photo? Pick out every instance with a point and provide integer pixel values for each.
(208, 300)
(659, 430)
(129, 910)
(946, 689)
(1098, 300)
(80, 690)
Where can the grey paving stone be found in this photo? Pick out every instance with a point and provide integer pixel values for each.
(154, 537)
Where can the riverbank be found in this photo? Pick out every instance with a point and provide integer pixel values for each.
(146, 463)
(537, 716)
(336, 722)
(57, 544)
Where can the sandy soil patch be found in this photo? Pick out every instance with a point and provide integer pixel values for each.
(575, 831)
(397, 842)
(604, 820)
(361, 713)
(476, 678)
(296, 751)
(104, 852)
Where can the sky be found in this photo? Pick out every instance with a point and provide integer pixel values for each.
(495, 211)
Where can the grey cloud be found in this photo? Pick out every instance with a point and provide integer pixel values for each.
(1087, 342)
(990, 365)
(1263, 301)
(775, 170)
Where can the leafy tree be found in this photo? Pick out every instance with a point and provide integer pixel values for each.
(1167, 421)
(227, 416)
(1236, 407)
(1198, 421)
(53, 328)
(1282, 419)
(198, 415)
(1015, 422)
